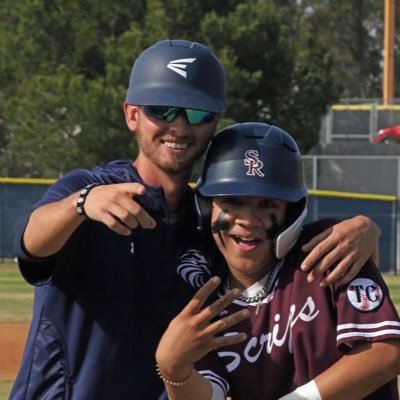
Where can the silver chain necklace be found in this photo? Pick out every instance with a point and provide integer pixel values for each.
(262, 293)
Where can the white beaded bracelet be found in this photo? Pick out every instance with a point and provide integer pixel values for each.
(80, 203)
(172, 383)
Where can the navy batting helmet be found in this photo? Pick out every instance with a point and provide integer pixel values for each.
(256, 159)
(178, 73)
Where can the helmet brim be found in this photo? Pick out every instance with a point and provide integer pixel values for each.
(175, 97)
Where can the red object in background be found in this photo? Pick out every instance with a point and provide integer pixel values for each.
(391, 134)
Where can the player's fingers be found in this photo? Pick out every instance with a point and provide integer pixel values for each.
(348, 268)
(315, 240)
(142, 217)
(325, 244)
(135, 212)
(219, 305)
(326, 262)
(118, 209)
(117, 200)
(131, 214)
(133, 188)
(115, 225)
(227, 322)
(350, 274)
(227, 340)
(196, 303)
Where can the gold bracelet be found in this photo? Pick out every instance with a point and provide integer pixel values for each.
(167, 381)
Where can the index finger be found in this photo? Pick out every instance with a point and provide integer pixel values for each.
(194, 306)
(142, 216)
(315, 240)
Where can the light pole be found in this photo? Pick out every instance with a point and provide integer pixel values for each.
(388, 71)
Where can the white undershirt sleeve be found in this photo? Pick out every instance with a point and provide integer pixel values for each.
(309, 391)
(218, 393)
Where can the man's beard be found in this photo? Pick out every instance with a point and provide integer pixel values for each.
(177, 165)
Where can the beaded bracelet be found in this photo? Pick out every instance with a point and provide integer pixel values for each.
(80, 203)
(167, 381)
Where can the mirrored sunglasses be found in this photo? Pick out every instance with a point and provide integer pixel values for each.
(166, 113)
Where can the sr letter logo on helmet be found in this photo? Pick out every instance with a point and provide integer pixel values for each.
(253, 163)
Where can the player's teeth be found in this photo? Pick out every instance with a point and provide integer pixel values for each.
(244, 239)
(179, 146)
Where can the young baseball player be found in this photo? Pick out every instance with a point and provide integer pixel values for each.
(101, 247)
(271, 334)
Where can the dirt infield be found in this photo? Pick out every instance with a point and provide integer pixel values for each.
(12, 342)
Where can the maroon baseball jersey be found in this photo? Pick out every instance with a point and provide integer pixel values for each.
(301, 329)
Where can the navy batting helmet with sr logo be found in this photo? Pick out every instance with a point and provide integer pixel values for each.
(260, 160)
(178, 73)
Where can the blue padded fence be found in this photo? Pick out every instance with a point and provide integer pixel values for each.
(18, 195)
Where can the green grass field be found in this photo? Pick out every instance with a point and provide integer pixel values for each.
(393, 281)
(5, 388)
(16, 301)
(15, 295)
(15, 304)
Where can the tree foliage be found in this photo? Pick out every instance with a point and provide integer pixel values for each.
(64, 69)
(353, 31)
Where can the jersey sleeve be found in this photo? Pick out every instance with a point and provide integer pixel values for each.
(365, 311)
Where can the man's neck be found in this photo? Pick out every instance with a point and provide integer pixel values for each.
(174, 185)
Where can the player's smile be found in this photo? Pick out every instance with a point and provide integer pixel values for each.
(176, 145)
(246, 243)
(173, 148)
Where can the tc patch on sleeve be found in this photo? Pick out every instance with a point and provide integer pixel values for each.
(364, 294)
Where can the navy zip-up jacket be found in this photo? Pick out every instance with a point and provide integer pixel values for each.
(103, 301)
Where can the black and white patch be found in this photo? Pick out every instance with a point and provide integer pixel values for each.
(364, 294)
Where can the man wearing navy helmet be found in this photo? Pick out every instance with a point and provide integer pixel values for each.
(101, 247)
(271, 334)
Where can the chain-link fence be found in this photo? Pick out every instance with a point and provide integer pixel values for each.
(353, 173)
(348, 185)
(360, 122)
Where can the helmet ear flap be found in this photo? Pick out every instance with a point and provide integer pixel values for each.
(203, 208)
(285, 240)
(215, 258)
(294, 210)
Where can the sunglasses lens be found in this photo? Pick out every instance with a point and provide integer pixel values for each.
(196, 117)
(164, 113)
